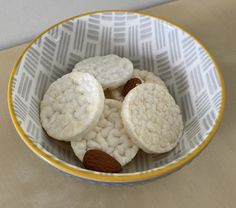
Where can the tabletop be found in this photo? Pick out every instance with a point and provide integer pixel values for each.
(208, 181)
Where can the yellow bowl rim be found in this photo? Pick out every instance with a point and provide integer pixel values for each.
(114, 178)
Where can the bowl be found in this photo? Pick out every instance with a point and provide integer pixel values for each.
(151, 43)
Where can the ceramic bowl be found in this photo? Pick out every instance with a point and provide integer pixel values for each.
(152, 44)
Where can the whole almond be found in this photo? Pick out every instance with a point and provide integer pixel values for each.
(130, 84)
(101, 161)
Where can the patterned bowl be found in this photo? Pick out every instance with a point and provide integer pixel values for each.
(151, 43)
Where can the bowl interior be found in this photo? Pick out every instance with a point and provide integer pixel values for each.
(151, 44)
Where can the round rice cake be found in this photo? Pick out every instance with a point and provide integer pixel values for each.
(145, 76)
(109, 136)
(71, 106)
(111, 71)
(148, 77)
(152, 118)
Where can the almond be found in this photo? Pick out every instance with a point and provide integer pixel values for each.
(101, 161)
(130, 84)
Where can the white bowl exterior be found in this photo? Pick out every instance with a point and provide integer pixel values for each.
(151, 44)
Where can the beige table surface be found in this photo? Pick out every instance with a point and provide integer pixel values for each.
(209, 181)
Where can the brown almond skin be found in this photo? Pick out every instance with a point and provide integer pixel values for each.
(98, 160)
(130, 84)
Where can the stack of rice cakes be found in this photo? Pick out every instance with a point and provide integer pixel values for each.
(108, 110)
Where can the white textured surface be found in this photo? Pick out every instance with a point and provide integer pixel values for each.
(109, 136)
(71, 106)
(22, 20)
(144, 76)
(111, 71)
(148, 77)
(152, 118)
